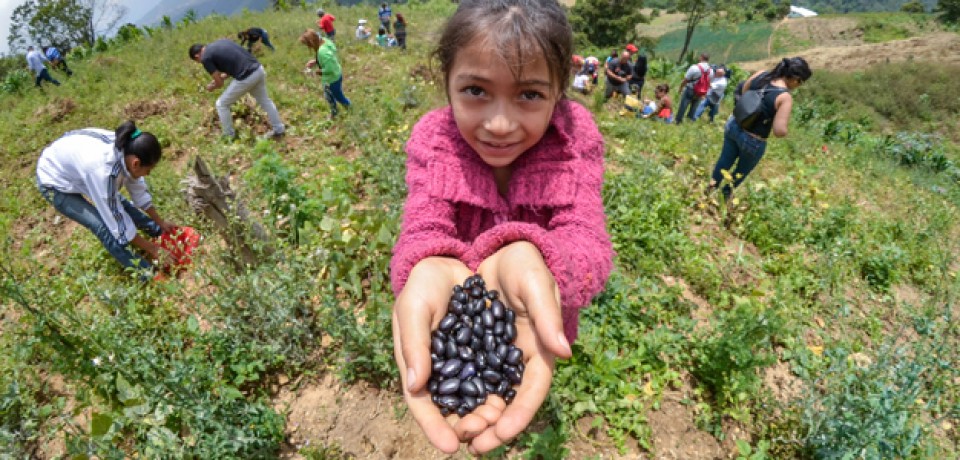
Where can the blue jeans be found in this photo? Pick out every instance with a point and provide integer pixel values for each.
(44, 75)
(687, 100)
(334, 93)
(740, 148)
(265, 38)
(76, 207)
(714, 108)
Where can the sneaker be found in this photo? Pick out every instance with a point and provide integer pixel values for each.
(273, 135)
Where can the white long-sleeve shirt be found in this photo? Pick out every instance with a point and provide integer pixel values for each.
(35, 61)
(86, 162)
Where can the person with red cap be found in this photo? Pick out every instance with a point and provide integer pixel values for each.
(639, 69)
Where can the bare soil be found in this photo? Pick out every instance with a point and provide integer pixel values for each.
(840, 46)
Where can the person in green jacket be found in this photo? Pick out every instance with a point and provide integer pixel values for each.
(328, 66)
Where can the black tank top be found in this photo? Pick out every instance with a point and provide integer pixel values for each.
(764, 123)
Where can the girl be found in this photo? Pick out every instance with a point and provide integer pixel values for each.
(745, 146)
(400, 31)
(331, 74)
(96, 163)
(504, 182)
(663, 109)
(382, 37)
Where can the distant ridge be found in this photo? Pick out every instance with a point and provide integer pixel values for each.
(177, 9)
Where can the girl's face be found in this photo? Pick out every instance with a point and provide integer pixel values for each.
(500, 116)
(137, 170)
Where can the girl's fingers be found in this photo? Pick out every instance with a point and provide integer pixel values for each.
(541, 301)
(411, 332)
(530, 396)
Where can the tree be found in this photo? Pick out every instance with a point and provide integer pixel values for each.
(607, 22)
(716, 11)
(913, 6)
(61, 23)
(948, 11)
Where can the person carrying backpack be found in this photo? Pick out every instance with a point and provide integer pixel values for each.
(695, 85)
(639, 70)
(744, 142)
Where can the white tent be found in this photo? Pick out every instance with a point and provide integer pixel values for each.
(800, 12)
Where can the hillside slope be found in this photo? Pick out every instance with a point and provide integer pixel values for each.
(813, 316)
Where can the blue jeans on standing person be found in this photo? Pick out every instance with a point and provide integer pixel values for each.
(44, 75)
(687, 100)
(741, 148)
(76, 207)
(334, 93)
(704, 104)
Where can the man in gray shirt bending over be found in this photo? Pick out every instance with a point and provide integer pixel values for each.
(224, 58)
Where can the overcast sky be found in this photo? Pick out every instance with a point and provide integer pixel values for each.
(135, 9)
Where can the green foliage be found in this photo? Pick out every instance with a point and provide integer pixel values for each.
(16, 81)
(746, 42)
(878, 31)
(727, 358)
(606, 23)
(913, 7)
(61, 23)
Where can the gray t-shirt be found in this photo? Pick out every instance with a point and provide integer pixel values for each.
(230, 58)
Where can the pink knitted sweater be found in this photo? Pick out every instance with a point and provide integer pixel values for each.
(553, 201)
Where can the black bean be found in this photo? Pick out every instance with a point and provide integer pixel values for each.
(491, 376)
(509, 395)
(481, 360)
(490, 387)
(466, 320)
(432, 386)
(449, 401)
(455, 307)
(502, 387)
(447, 322)
(435, 398)
(477, 292)
(477, 329)
(498, 328)
(436, 346)
(476, 343)
(513, 375)
(466, 353)
(463, 410)
(443, 410)
(469, 402)
(450, 349)
(477, 307)
(494, 361)
(489, 343)
(449, 386)
(510, 332)
(487, 317)
(510, 316)
(514, 356)
(438, 364)
(451, 368)
(493, 294)
(468, 388)
(457, 288)
(482, 398)
(498, 309)
(502, 350)
(461, 297)
(469, 370)
(480, 384)
(463, 336)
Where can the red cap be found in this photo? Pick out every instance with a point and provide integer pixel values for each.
(631, 48)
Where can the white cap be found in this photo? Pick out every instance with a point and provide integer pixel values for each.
(362, 21)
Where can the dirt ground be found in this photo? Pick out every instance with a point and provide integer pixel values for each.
(840, 46)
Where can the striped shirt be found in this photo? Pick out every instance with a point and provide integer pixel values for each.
(86, 162)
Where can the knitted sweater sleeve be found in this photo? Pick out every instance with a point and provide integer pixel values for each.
(575, 244)
(428, 227)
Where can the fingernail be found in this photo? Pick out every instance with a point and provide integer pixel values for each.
(562, 338)
(411, 377)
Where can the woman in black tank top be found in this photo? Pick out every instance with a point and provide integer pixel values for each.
(743, 148)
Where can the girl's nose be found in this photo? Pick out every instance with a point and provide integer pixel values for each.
(499, 124)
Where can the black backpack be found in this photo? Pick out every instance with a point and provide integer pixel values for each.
(748, 108)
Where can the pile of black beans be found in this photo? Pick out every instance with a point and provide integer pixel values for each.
(473, 351)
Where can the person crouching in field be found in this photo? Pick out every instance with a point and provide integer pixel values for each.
(505, 182)
(97, 163)
(327, 63)
(57, 61)
(252, 35)
(745, 145)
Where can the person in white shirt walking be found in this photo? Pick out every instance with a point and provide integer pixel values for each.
(97, 163)
(718, 86)
(35, 61)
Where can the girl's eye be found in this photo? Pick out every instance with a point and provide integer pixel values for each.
(473, 90)
(532, 95)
